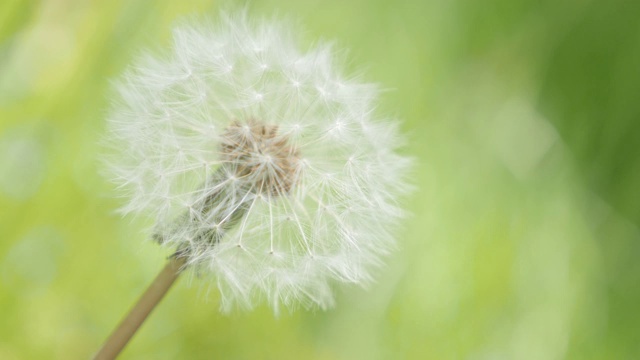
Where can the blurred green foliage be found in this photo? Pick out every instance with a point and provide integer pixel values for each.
(523, 244)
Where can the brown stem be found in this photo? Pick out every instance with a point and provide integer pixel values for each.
(151, 297)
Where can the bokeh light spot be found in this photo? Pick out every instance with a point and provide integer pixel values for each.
(22, 164)
(31, 263)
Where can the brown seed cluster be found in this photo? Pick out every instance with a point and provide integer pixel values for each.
(258, 154)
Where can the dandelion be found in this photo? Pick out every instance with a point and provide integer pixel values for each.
(259, 164)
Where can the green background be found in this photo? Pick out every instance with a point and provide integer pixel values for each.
(523, 243)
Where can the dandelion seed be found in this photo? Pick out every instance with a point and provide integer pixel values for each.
(263, 164)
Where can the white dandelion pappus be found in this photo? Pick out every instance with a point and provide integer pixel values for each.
(262, 163)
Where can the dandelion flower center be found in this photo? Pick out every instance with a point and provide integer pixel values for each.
(262, 158)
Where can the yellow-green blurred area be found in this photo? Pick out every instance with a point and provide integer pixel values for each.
(523, 243)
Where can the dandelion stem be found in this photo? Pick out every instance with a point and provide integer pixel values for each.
(147, 302)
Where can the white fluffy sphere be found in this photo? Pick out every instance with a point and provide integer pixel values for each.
(261, 163)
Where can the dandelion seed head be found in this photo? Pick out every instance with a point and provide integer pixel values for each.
(264, 163)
